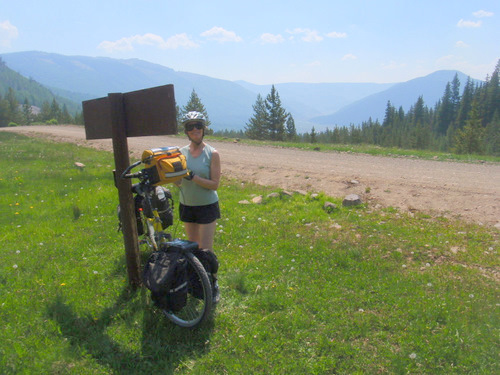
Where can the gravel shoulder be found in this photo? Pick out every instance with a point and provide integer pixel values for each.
(462, 190)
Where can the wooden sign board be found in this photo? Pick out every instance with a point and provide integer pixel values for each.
(119, 116)
(147, 112)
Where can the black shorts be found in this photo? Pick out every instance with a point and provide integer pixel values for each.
(199, 214)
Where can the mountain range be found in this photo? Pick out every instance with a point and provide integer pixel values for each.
(228, 103)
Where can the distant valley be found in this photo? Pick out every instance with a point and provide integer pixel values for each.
(229, 104)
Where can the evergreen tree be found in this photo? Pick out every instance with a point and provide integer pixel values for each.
(45, 112)
(445, 115)
(277, 116)
(465, 104)
(492, 100)
(194, 104)
(78, 119)
(313, 136)
(455, 95)
(4, 112)
(492, 135)
(390, 114)
(257, 127)
(65, 117)
(13, 112)
(55, 110)
(291, 132)
(469, 140)
(27, 114)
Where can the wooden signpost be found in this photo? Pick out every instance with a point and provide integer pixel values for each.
(119, 116)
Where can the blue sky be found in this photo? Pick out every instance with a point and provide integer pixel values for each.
(266, 42)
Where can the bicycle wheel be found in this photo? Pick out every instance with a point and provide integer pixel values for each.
(199, 304)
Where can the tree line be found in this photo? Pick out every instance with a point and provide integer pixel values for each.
(460, 123)
(12, 113)
(467, 122)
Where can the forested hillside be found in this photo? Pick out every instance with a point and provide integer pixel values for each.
(460, 123)
(24, 101)
(467, 123)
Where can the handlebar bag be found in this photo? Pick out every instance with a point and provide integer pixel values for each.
(164, 165)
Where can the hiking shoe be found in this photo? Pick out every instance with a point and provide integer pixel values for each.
(216, 293)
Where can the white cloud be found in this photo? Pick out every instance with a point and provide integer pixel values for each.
(8, 32)
(336, 35)
(461, 44)
(469, 24)
(349, 56)
(483, 13)
(128, 43)
(221, 35)
(268, 38)
(179, 40)
(307, 35)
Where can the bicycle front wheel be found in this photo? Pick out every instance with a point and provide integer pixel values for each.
(199, 300)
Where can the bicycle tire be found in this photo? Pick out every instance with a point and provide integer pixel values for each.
(197, 310)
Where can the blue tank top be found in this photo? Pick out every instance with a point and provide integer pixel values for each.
(193, 194)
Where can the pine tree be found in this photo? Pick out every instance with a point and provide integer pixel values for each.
(13, 113)
(390, 114)
(492, 135)
(4, 112)
(313, 135)
(257, 128)
(291, 131)
(469, 140)
(65, 117)
(445, 115)
(465, 104)
(45, 112)
(277, 116)
(455, 95)
(194, 104)
(492, 99)
(55, 110)
(27, 114)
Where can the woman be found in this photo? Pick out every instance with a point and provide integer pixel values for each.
(199, 202)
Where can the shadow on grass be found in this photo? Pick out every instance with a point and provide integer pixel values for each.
(164, 346)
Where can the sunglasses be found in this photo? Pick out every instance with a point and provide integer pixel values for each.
(192, 125)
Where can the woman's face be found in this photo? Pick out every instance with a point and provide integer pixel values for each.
(195, 135)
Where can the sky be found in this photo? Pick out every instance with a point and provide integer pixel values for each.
(270, 41)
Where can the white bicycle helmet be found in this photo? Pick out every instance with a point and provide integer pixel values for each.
(194, 116)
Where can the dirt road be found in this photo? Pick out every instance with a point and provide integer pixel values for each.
(469, 191)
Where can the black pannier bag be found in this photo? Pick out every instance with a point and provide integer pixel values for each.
(163, 201)
(211, 264)
(165, 274)
(138, 205)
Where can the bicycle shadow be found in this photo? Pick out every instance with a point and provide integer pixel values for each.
(163, 345)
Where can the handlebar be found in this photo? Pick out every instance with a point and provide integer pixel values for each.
(126, 173)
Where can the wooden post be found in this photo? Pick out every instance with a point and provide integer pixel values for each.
(133, 114)
(122, 161)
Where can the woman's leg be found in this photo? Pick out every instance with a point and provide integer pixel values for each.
(204, 235)
(207, 233)
(201, 233)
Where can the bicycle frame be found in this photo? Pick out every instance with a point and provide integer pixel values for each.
(197, 307)
(154, 229)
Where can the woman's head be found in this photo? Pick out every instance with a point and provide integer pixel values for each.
(193, 119)
(193, 122)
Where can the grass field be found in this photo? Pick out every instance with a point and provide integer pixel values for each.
(304, 291)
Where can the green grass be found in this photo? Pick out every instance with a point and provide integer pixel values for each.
(304, 291)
